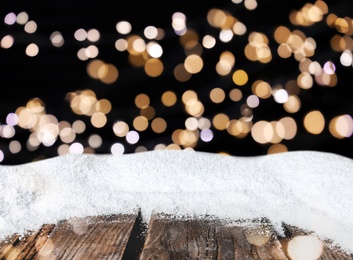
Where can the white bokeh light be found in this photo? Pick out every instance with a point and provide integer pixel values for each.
(132, 137)
(281, 96)
(206, 135)
(76, 148)
(117, 149)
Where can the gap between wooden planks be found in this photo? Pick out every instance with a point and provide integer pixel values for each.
(208, 238)
(165, 237)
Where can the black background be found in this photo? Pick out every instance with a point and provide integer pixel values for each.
(56, 71)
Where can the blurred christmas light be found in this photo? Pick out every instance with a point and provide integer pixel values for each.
(232, 103)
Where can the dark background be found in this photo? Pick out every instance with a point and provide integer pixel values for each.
(54, 72)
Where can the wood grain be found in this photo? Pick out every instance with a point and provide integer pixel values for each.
(328, 252)
(102, 237)
(25, 247)
(169, 238)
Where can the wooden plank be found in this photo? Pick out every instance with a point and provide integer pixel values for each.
(27, 246)
(103, 237)
(327, 251)
(208, 238)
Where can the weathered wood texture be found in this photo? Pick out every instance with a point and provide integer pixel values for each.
(89, 238)
(208, 239)
(167, 237)
(26, 247)
(328, 252)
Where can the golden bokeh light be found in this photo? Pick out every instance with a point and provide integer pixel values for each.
(32, 50)
(135, 44)
(120, 128)
(7, 41)
(229, 96)
(277, 148)
(226, 63)
(275, 131)
(193, 64)
(169, 98)
(240, 77)
(305, 81)
(140, 123)
(142, 100)
(159, 125)
(341, 126)
(82, 102)
(217, 95)
(293, 104)
(216, 17)
(193, 47)
(308, 14)
(314, 122)
(181, 74)
(79, 126)
(26, 118)
(284, 51)
(148, 112)
(189, 36)
(185, 138)
(67, 135)
(108, 73)
(103, 105)
(173, 147)
(235, 95)
(261, 89)
(189, 96)
(220, 121)
(239, 128)
(195, 108)
(250, 4)
(342, 25)
(30, 27)
(287, 128)
(257, 49)
(98, 120)
(154, 67)
(282, 34)
(239, 28)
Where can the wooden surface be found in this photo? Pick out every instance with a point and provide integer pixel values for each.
(165, 237)
(26, 247)
(327, 251)
(208, 239)
(89, 238)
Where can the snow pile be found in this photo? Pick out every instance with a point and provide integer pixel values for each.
(308, 189)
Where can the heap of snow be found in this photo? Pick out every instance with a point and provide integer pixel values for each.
(308, 189)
